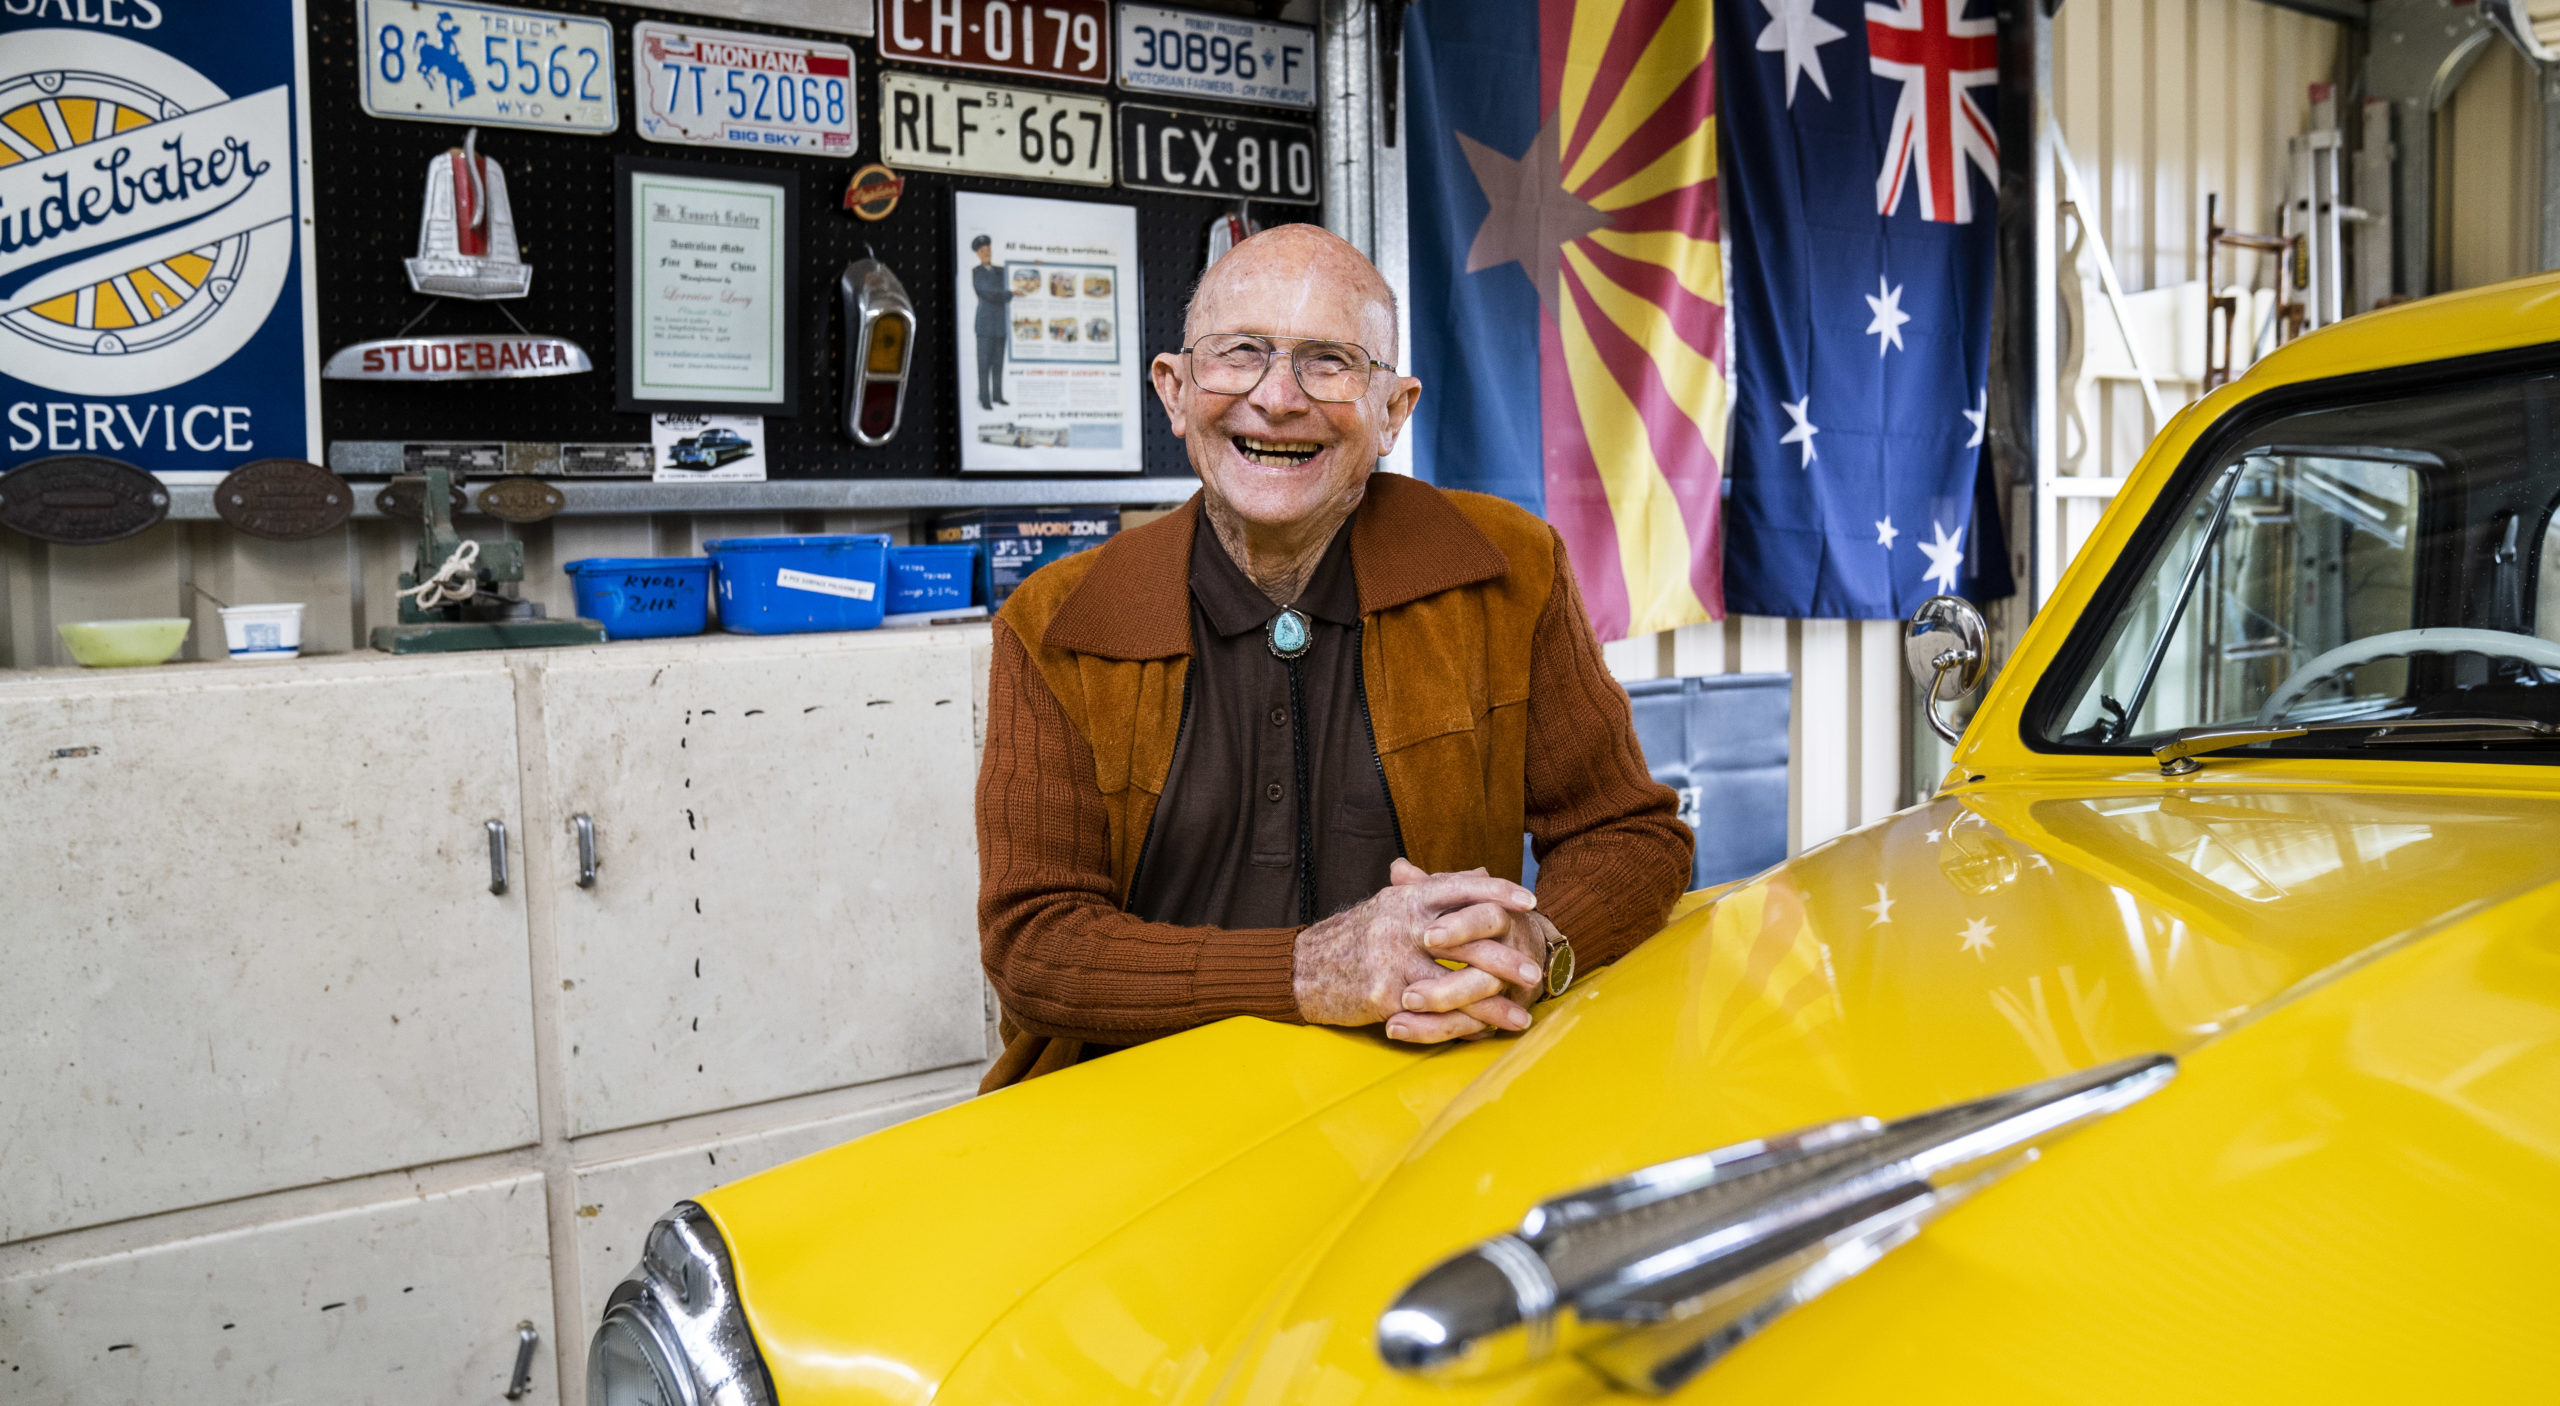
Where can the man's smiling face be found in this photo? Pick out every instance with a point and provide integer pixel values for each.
(1272, 458)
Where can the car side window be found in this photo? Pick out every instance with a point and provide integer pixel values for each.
(2546, 587)
(2367, 556)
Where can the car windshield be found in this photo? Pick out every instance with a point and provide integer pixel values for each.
(2384, 556)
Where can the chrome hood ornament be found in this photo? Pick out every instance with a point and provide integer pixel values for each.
(1653, 1278)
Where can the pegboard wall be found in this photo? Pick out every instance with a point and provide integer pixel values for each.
(369, 174)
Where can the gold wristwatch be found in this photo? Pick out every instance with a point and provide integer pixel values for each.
(1559, 965)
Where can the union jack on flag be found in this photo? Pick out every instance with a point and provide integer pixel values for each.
(1939, 58)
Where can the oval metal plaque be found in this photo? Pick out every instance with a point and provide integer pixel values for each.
(521, 500)
(283, 500)
(80, 499)
(405, 498)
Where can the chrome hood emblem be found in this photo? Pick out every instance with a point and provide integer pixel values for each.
(1654, 1277)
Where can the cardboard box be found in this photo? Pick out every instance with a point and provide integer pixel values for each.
(1015, 542)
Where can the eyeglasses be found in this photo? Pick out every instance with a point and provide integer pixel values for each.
(1233, 363)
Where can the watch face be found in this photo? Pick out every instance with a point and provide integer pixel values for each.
(1559, 967)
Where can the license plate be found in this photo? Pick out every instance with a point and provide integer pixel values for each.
(711, 87)
(487, 65)
(993, 131)
(1200, 153)
(1069, 39)
(1216, 56)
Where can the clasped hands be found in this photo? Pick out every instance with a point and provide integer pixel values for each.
(1375, 961)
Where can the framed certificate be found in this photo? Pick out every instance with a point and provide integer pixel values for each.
(707, 287)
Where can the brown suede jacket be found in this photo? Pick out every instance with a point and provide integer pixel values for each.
(1492, 712)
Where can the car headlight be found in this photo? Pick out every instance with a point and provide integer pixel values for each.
(674, 1333)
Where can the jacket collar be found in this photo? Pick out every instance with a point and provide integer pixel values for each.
(1408, 541)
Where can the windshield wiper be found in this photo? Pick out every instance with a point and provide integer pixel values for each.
(2178, 755)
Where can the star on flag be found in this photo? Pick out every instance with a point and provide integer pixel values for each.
(1977, 938)
(1886, 532)
(1981, 410)
(1805, 429)
(1886, 326)
(1946, 557)
(1796, 31)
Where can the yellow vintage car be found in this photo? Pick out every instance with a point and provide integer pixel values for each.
(2199, 1040)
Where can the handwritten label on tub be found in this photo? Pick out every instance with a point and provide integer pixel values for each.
(844, 586)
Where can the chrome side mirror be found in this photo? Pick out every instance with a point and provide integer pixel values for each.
(1949, 650)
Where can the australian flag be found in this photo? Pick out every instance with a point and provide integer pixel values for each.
(1860, 178)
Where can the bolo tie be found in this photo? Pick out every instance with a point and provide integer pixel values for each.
(1288, 637)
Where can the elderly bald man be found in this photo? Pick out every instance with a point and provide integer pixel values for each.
(1272, 754)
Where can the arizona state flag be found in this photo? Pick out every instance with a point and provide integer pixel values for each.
(1568, 284)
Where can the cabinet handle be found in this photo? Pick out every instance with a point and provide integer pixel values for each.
(497, 856)
(586, 827)
(522, 1380)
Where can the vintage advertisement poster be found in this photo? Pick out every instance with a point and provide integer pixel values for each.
(708, 281)
(155, 266)
(1047, 337)
(706, 448)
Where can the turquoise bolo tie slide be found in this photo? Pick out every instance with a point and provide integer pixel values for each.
(1287, 634)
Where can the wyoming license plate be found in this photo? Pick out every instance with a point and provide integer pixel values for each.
(487, 65)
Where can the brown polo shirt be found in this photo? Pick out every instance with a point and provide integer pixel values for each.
(1275, 811)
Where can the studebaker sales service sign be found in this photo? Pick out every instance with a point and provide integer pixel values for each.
(155, 258)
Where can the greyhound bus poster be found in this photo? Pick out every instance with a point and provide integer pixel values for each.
(1047, 316)
(155, 260)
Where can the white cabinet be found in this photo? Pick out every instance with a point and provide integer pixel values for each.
(248, 936)
(396, 1303)
(780, 903)
(293, 1107)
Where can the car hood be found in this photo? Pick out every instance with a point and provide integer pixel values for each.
(1222, 1216)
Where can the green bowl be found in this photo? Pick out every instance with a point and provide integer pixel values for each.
(118, 644)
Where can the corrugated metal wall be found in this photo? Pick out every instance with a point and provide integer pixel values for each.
(2163, 103)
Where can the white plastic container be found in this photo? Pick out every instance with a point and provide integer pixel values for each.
(263, 632)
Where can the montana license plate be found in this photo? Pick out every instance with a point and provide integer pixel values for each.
(711, 87)
(1201, 153)
(994, 131)
(1216, 56)
(487, 65)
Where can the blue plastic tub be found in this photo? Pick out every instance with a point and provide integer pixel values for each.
(793, 585)
(931, 578)
(638, 598)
